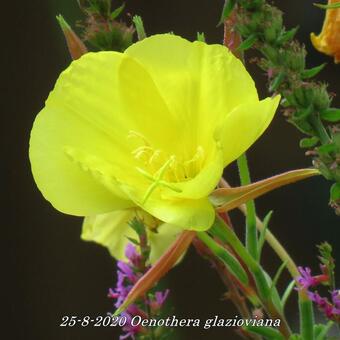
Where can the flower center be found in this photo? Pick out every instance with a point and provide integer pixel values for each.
(162, 168)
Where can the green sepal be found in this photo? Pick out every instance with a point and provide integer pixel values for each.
(309, 73)
(267, 332)
(227, 9)
(307, 143)
(331, 115)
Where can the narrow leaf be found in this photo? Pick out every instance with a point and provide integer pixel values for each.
(225, 256)
(159, 269)
(278, 274)
(287, 293)
(312, 71)
(331, 115)
(227, 9)
(262, 237)
(226, 199)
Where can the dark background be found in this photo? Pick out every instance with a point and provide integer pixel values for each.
(49, 271)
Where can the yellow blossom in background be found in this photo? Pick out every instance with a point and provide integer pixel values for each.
(151, 128)
(328, 41)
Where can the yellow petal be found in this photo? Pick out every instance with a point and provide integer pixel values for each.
(244, 125)
(200, 83)
(188, 214)
(96, 102)
(112, 230)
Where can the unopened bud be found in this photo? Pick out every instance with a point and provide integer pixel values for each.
(75, 46)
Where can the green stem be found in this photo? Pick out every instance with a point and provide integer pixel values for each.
(227, 235)
(306, 316)
(251, 232)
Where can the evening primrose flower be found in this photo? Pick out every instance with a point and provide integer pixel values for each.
(151, 128)
(328, 41)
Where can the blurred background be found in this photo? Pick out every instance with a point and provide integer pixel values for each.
(51, 272)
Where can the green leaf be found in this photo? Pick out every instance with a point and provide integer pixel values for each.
(331, 115)
(330, 6)
(201, 36)
(287, 36)
(312, 71)
(307, 143)
(225, 256)
(227, 9)
(248, 43)
(335, 192)
(137, 20)
(287, 293)
(262, 237)
(278, 274)
(117, 12)
(267, 332)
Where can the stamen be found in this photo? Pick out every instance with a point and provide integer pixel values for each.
(157, 180)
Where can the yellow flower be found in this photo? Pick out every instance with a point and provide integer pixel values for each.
(328, 41)
(152, 127)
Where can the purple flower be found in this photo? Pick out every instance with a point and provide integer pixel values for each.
(306, 279)
(128, 274)
(133, 256)
(336, 298)
(159, 299)
(130, 331)
(331, 310)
